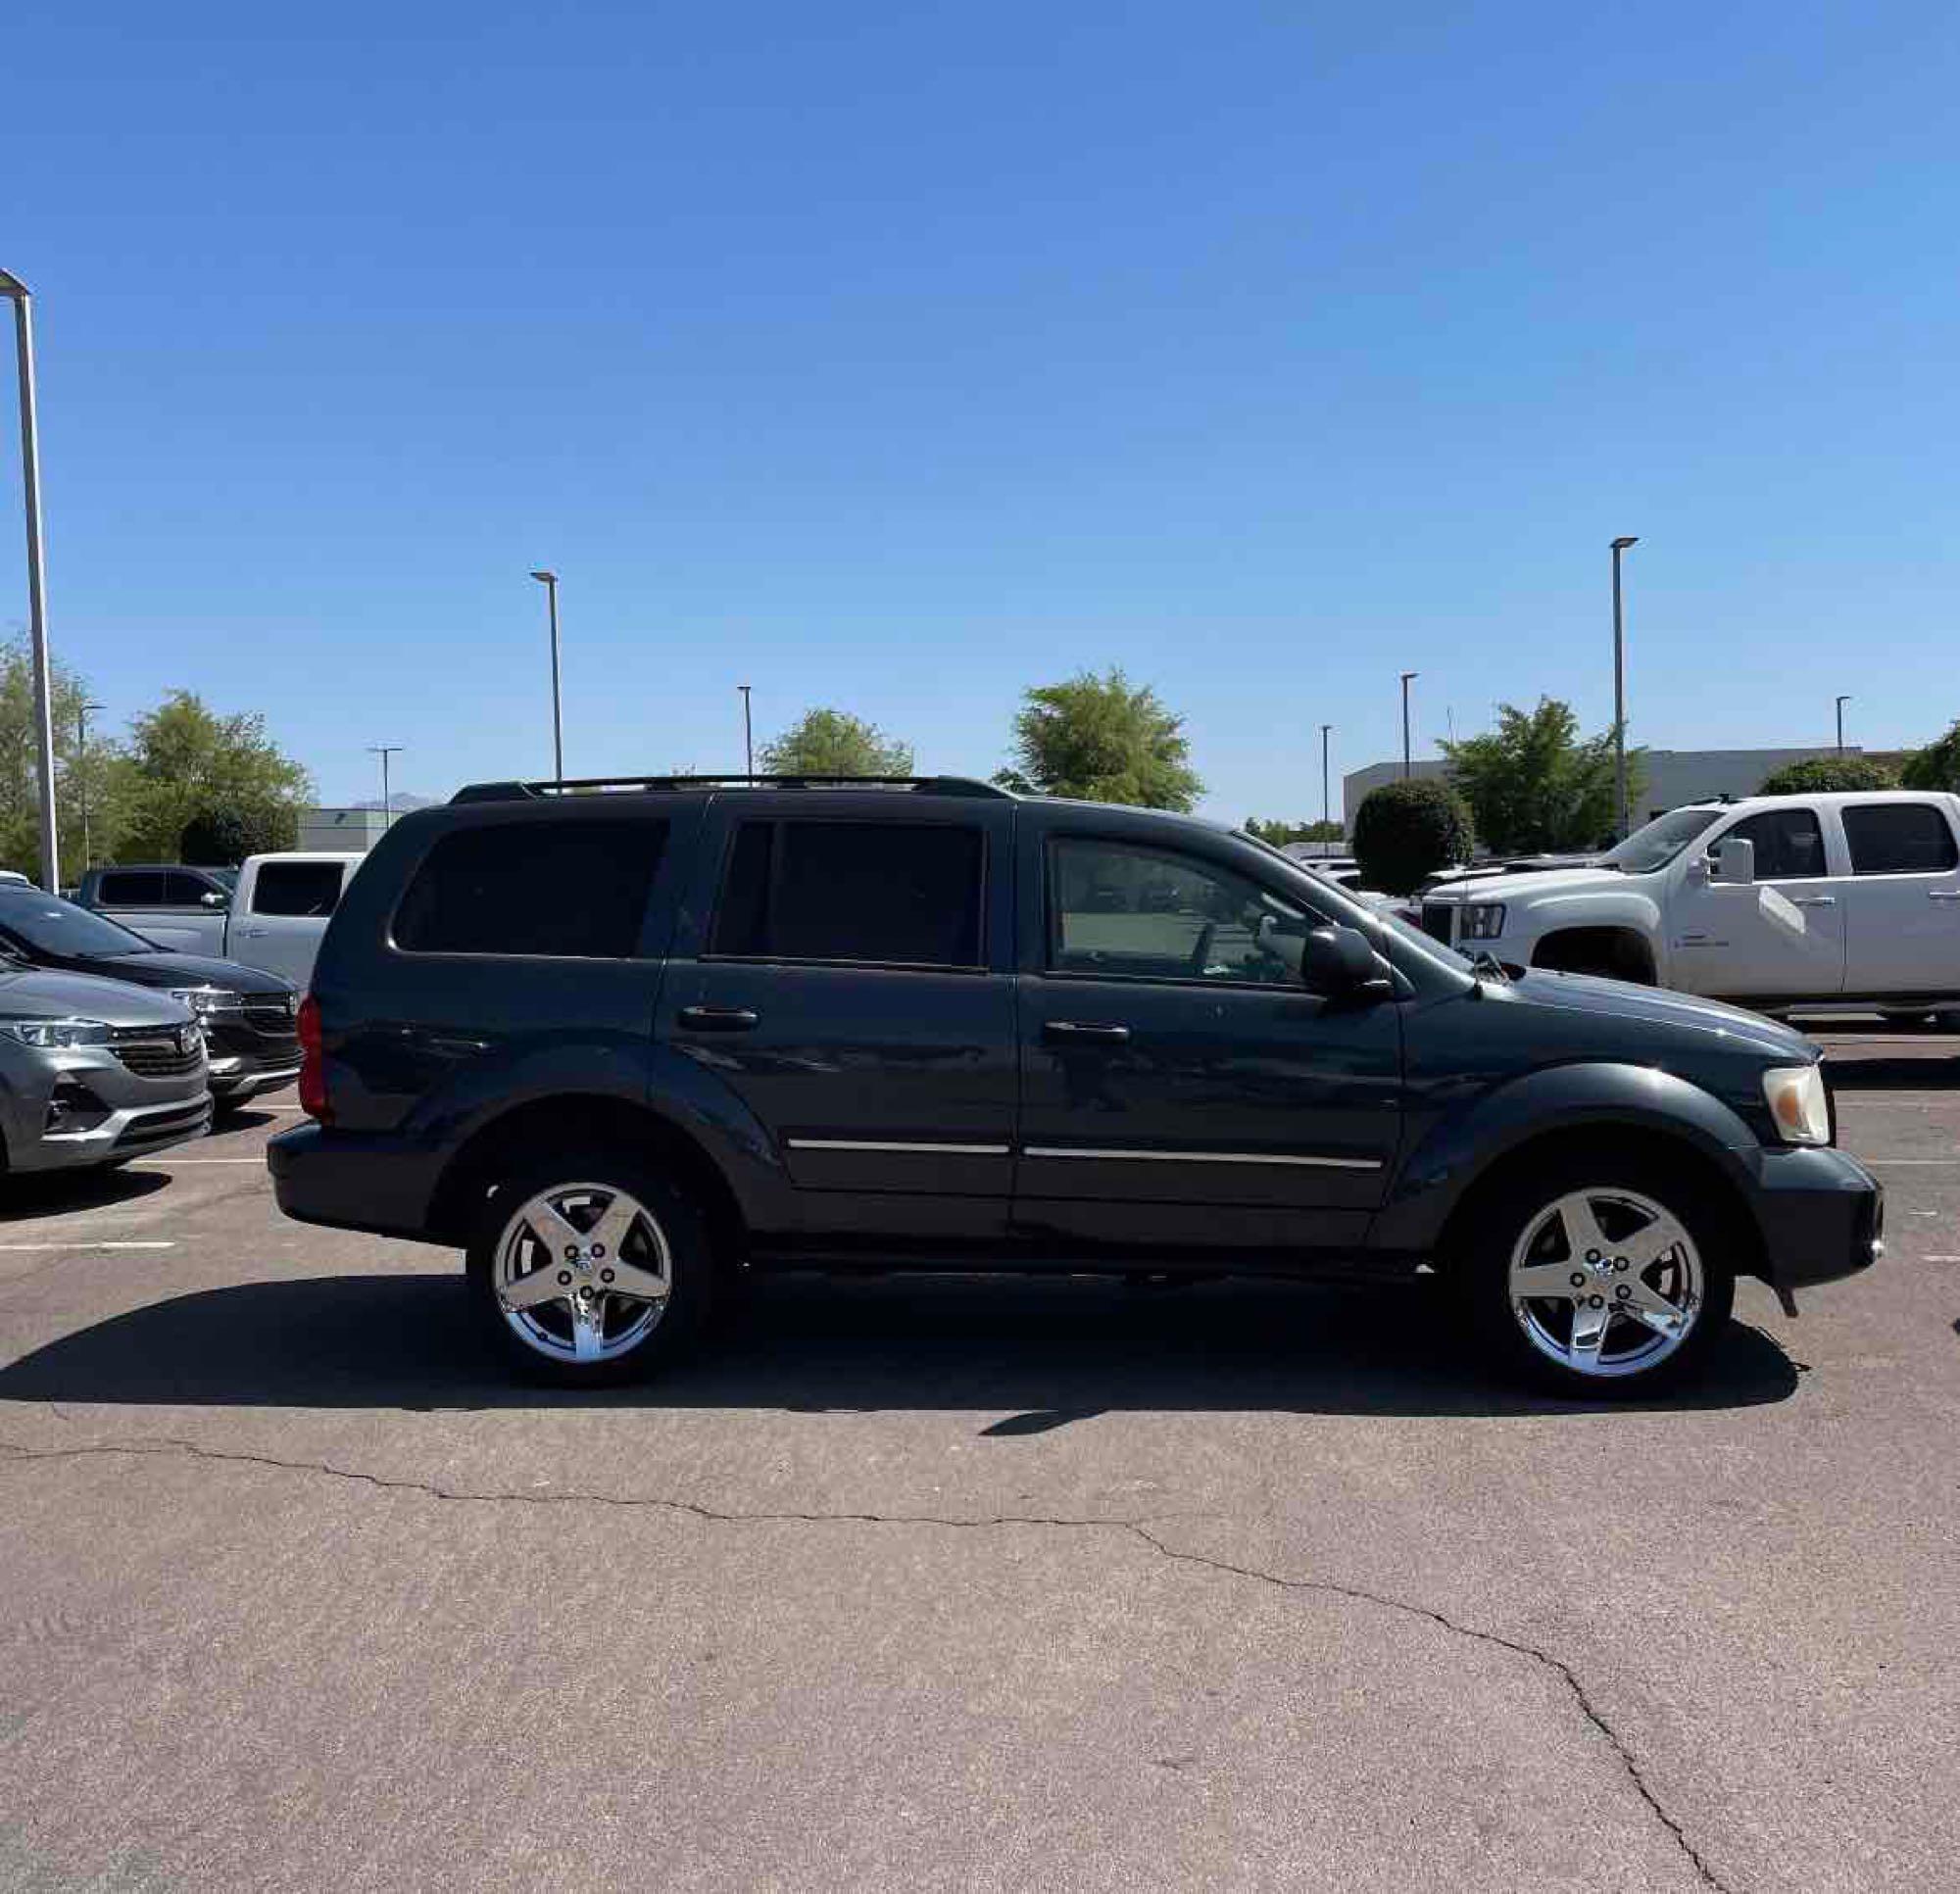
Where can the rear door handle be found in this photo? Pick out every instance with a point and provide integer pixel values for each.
(1815, 901)
(255, 933)
(718, 1019)
(1078, 1029)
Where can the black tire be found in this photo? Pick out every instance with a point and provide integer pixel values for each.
(1500, 1218)
(691, 1270)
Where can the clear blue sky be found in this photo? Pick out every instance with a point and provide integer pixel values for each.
(897, 357)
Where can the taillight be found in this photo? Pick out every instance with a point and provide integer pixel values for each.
(313, 1063)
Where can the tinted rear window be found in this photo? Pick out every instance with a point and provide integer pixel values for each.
(297, 888)
(130, 889)
(891, 894)
(1899, 839)
(563, 890)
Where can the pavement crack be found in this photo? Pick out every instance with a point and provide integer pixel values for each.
(1138, 1529)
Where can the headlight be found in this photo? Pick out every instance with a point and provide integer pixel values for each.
(1482, 921)
(1799, 1103)
(206, 999)
(54, 1033)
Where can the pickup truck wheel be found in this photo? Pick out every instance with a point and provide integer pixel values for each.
(590, 1269)
(1603, 1279)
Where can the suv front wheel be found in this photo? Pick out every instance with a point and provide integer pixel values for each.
(1600, 1278)
(588, 1268)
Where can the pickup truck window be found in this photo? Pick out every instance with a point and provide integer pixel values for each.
(534, 890)
(187, 891)
(1899, 839)
(1790, 844)
(1141, 913)
(131, 887)
(884, 893)
(302, 887)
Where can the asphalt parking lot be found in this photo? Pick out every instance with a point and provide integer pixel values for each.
(962, 1585)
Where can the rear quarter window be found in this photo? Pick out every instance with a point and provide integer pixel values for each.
(1899, 839)
(553, 890)
(130, 888)
(297, 889)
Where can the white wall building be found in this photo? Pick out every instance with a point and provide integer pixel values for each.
(341, 831)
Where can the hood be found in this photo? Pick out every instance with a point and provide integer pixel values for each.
(1655, 1006)
(167, 969)
(31, 993)
(1516, 888)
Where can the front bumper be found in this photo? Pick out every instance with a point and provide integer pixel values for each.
(131, 1131)
(1822, 1216)
(248, 1058)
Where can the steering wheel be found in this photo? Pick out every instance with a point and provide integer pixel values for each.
(1201, 953)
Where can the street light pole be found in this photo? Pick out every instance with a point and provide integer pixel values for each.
(1406, 675)
(1619, 690)
(14, 289)
(81, 776)
(549, 580)
(1841, 701)
(385, 750)
(1325, 838)
(748, 730)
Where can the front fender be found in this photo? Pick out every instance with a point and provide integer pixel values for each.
(1465, 1141)
(1585, 907)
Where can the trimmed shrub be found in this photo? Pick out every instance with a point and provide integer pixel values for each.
(1818, 775)
(1404, 831)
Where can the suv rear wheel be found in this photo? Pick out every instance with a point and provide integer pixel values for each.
(590, 1268)
(1602, 1278)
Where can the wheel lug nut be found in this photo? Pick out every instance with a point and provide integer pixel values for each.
(1577, 1281)
(571, 1252)
(1596, 1301)
(1619, 1262)
(1623, 1292)
(564, 1279)
(598, 1249)
(1591, 1256)
(606, 1275)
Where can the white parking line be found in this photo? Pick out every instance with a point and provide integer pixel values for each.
(1909, 1160)
(131, 1246)
(177, 1163)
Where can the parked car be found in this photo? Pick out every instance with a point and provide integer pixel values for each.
(248, 1015)
(94, 1072)
(273, 918)
(1847, 902)
(618, 1045)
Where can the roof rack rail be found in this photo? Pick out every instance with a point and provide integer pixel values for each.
(627, 785)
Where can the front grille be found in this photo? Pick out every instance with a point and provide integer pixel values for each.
(156, 1052)
(150, 1126)
(1436, 920)
(269, 1013)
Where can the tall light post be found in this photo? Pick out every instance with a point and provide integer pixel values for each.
(13, 288)
(1841, 701)
(1620, 689)
(81, 712)
(1406, 766)
(385, 750)
(748, 730)
(549, 580)
(1325, 838)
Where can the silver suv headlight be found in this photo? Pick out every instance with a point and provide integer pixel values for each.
(1800, 1106)
(206, 999)
(50, 1033)
(1482, 921)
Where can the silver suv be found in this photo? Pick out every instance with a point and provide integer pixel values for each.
(94, 1071)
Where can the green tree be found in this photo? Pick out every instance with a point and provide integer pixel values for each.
(1278, 833)
(79, 777)
(1938, 766)
(1406, 830)
(221, 837)
(1531, 783)
(184, 761)
(1817, 775)
(1104, 740)
(833, 743)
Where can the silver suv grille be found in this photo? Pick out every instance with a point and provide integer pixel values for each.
(158, 1052)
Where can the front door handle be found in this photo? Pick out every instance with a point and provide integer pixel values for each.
(718, 1019)
(1815, 901)
(1094, 1031)
(255, 933)
(1943, 894)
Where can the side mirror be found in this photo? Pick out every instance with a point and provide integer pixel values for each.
(210, 898)
(1733, 862)
(1339, 961)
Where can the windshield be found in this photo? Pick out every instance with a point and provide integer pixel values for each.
(1664, 838)
(1380, 913)
(50, 925)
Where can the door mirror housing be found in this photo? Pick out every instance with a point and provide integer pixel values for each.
(1339, 962)
(210, 898)
(1733, 863)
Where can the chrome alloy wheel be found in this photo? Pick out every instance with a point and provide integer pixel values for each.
(583, 1272)
(1607, 1282)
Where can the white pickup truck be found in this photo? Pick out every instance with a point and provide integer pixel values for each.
(1837, 903)
(275, 918)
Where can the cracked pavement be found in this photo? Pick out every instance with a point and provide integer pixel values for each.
(962, 1585)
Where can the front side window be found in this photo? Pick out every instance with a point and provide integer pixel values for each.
(1899, 839)
(1136, 913)
(185, 890)
(1789, 846)
(891, 894)
(297, 888)
(534, 890)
